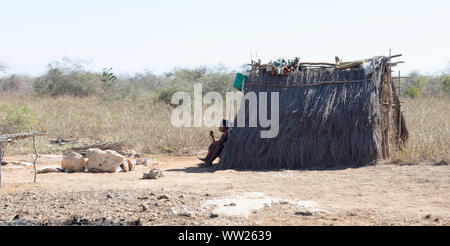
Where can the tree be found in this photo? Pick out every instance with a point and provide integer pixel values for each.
(67, 78)
(112, 89)
(446, 83)
(446, 79)
(17, 84)
(108, 81)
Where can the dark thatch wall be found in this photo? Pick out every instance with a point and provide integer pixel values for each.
(326, 126)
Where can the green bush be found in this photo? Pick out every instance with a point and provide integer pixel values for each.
(74, 83)
(413, 92)
(446, 83)
(218, 80)
(67, 77)
(18, 119)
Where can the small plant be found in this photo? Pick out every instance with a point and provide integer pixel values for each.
(112, 89)
(109, 79)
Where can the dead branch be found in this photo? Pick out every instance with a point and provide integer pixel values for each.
(12, 137)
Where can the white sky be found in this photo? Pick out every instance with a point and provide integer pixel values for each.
(135, 35)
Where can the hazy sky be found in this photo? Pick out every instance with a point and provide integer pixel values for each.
(135, 35)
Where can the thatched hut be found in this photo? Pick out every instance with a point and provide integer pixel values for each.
(331, 116)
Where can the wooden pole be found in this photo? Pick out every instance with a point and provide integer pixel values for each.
(395, 63)
(386, 133)
(399, 114)
(383, 132)
(389, 114)
(35, 159)
(12, 137)
(393, 56)
(318, 63)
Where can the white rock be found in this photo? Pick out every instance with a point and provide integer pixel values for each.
(73, 162)
(187, 213)
(130, 165)
(104, 161)
(154, 174)
(124, 166)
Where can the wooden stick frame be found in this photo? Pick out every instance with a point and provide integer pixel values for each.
(8, 138)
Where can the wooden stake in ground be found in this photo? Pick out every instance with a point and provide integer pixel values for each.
(399, 113)
(389, 113)
(11, 137)
(35, 159)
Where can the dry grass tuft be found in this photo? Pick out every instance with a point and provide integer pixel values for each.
(428, 122)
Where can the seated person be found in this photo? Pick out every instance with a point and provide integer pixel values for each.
(216, 147)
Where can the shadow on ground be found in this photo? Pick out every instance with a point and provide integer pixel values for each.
(199, 168)
(202, 168)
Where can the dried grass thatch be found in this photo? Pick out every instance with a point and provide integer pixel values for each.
(329, 118)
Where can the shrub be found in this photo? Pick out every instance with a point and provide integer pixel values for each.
(413, 92)
(15, 84)
(446, 83)
(74, 83)
(165, 94)
(217, 80)
(67, 77)
(18, 119)
(145, 81)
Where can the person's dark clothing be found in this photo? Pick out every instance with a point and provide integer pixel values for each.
(224, 138)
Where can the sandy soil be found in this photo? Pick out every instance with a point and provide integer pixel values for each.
(386, 194)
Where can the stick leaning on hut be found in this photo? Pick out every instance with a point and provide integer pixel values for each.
(8, 138)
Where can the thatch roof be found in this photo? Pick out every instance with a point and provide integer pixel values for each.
(328, 118)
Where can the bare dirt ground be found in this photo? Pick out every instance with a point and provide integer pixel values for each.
(386, 194)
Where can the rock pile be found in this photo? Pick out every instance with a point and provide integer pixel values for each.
(97, 161)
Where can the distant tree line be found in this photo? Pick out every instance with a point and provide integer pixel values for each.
(418, 85)
(67, 77)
